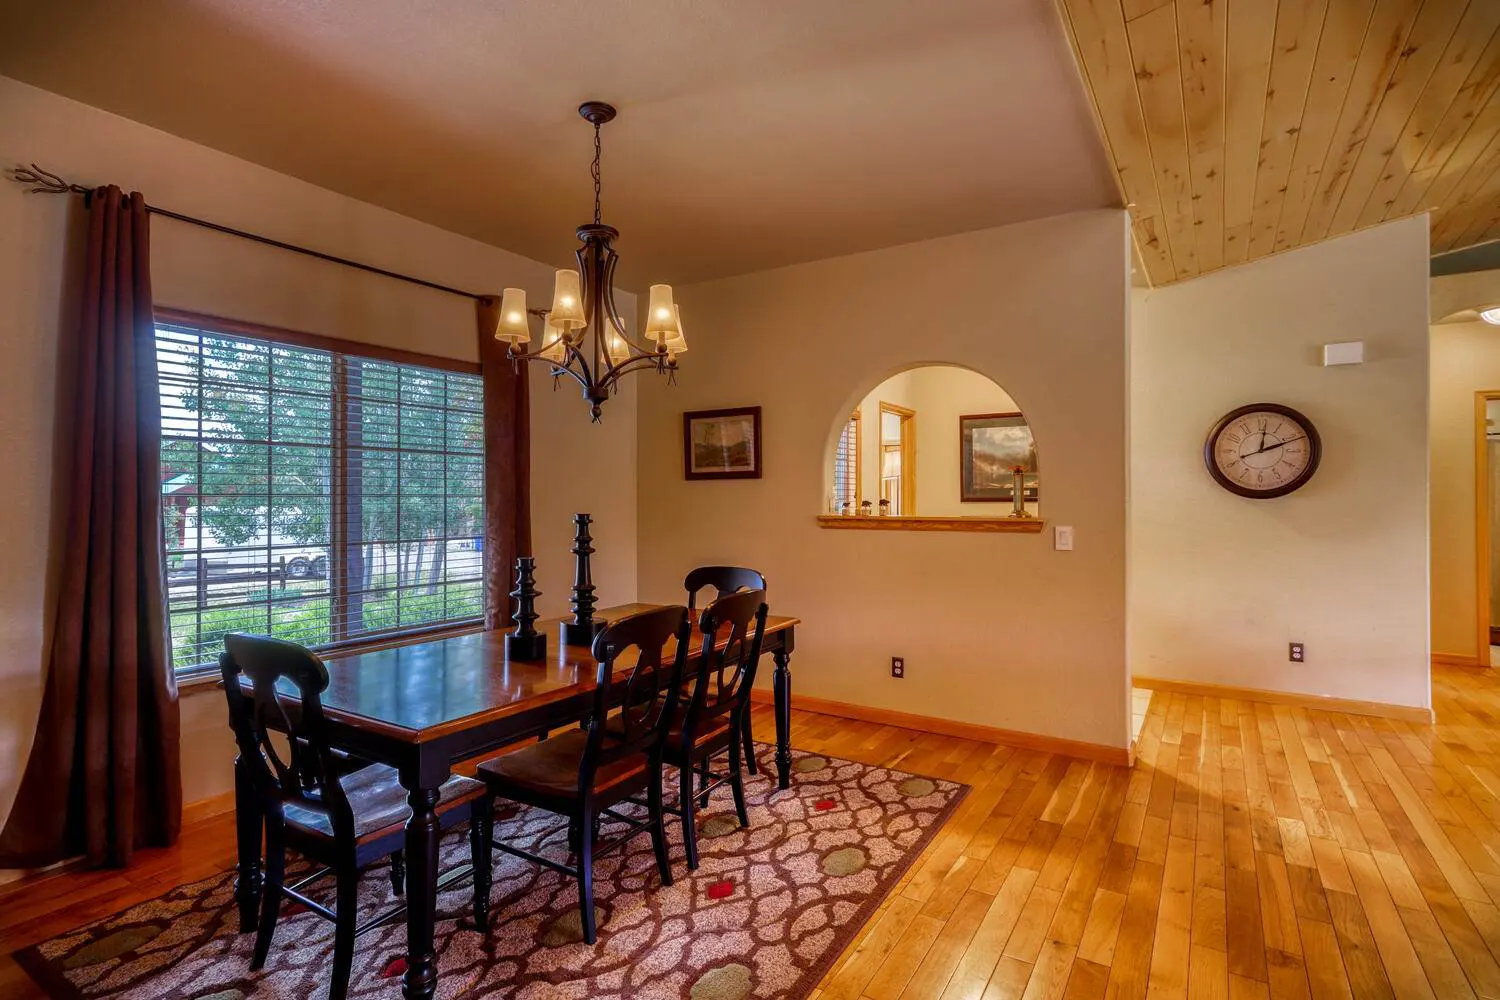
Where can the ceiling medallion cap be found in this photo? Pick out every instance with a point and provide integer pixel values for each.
(598, 232)
(596, 112)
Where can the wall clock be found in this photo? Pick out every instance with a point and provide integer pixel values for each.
(1262, 450)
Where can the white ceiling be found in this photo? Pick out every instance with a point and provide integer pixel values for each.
(752, 133)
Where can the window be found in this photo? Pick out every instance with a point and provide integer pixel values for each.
(846, 466)
(312, 494)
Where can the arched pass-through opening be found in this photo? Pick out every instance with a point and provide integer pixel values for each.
(933, 447)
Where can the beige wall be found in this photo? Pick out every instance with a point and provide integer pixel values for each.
(998, 630)
(1219, 584)
(195, 269)
(1465, 360)
(939, 394)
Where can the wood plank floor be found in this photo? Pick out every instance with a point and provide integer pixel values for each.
(1255, 851)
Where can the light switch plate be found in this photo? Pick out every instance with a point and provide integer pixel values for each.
(1062, 537)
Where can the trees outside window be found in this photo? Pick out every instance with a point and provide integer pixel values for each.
(314, 495)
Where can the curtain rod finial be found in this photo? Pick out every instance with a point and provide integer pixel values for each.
(44, 181)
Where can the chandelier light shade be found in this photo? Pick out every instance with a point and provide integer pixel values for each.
(676, 343)
(660, 317)
(583, 334)
(567, 302)
(513, 325)
(1491, 315)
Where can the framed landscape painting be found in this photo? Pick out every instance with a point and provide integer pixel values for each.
(990, 446)
(721, 444)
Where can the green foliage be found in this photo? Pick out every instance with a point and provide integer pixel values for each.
(252, 426)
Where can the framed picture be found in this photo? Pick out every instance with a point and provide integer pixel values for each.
(990, 445)
(721, 444)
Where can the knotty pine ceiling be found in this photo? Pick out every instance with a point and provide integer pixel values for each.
(1239, 128)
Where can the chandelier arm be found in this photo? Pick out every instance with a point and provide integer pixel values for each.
(565, 367)
(633, 364)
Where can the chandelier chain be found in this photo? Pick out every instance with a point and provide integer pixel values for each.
(598, 151)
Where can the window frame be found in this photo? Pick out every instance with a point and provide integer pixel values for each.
(337, 536)
(852, 433)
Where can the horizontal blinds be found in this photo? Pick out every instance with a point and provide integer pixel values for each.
(846, 465)
(313, 495)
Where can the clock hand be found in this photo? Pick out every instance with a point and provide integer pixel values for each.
(1273, 447)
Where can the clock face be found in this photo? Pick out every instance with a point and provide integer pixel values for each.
(1262, 450)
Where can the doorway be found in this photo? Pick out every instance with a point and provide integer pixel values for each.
(898, 459)
(1487, 522)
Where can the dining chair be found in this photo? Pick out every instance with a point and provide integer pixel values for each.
(727, 580)
(716, 712)
(582, 774)
(310, 801)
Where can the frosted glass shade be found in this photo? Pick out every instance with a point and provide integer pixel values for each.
(567, 301)
(615, 346)
(661, 318)
(676, 343)
(554, 346)
(513, 327)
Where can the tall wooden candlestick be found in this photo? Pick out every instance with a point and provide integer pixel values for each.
(584, 626)
(526, 643)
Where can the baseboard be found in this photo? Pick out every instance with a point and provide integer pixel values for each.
(1455, 660)
(1121, 756)
(1404, 713)
(214, 805)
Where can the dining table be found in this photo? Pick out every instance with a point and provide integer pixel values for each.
(423, 706)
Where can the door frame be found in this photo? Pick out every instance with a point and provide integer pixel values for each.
(908, 418)
(1482, 534)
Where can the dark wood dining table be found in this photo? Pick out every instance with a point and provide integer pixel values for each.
(425, 706)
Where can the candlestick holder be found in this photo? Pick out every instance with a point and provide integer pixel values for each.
(584, 626)
(1018, 493)
(525, 643)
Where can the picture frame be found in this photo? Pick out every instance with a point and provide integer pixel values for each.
(721, 444)
(989, 446)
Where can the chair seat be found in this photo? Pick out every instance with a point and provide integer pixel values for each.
(715, 735)
(551, 767)
(378, 803)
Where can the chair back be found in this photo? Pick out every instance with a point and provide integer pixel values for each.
(725, 580)
(310, 776)
(726, 672)
(649, 702)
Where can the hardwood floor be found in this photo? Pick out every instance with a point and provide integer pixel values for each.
(1255, 851)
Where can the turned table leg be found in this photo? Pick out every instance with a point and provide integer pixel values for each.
(782, 681)
(422, 832)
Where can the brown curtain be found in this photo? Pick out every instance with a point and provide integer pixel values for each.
(507, 466)
(103, 776)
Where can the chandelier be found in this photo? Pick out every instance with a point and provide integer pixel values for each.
(582, 334)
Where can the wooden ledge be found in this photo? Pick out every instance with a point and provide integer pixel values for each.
(915, 522)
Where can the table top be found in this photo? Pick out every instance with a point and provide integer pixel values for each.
(425, 690)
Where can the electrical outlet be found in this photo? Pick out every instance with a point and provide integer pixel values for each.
(898, 666)
(1296, 652)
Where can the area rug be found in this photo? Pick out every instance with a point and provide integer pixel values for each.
(769, 909)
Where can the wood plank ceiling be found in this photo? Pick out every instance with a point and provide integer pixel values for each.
(1239, 128)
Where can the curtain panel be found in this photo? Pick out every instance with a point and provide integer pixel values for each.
(103, 777)
(507, 466)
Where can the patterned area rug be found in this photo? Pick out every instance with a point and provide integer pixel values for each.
(770, 908)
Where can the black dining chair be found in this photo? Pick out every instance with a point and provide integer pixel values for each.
(726, 580)
(715, 714)
(582, 774)
(340, 819)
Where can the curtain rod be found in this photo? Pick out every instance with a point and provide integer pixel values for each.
(45, 182)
